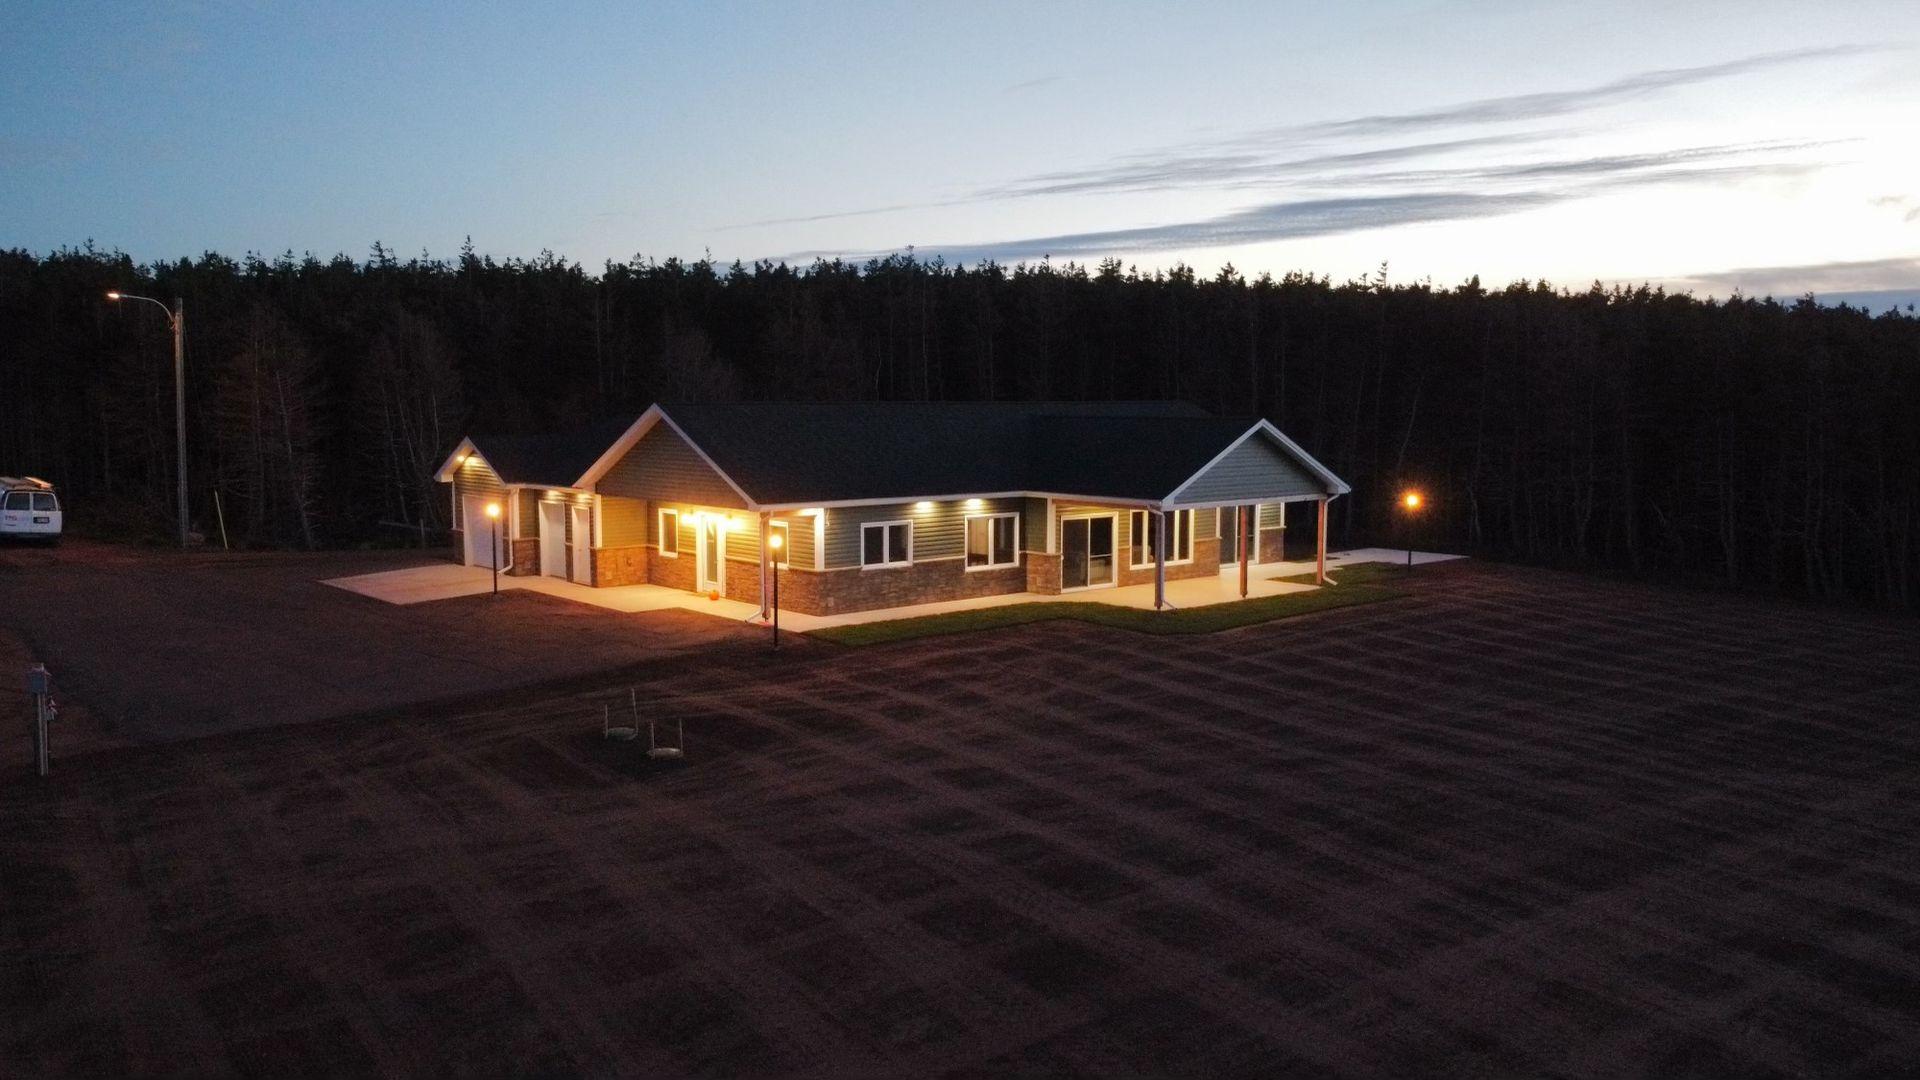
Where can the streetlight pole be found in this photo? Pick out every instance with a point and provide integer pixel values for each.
(1411, 501)
(177, 320)
(773, 541)
(493, 511)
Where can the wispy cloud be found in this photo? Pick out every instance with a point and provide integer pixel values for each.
(1274, 221)
(1537, 106)
(1907, 204)
(1032, 84)
(1898, 273)
(1300, 218)
(1159, 172)
(1290, 156)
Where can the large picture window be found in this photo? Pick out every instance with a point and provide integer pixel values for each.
(1179, 537)
(670, 533)
(886, 543)
(993, 540)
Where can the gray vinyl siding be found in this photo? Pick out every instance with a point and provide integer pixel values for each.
(476, 477)
(1033, 525)
(662, 467)
(939, 532)
(529, 500)
(1256, 470)
(799, 540)
(623, 521)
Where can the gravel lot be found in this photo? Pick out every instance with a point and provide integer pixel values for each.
(161, 645)
(1519, 823)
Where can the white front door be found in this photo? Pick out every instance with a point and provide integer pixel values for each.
(712, 556)
(480, 532)
(582, 545)
(553, 538)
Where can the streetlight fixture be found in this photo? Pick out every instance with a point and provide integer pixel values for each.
(177, 320)
(775, 543)
(1410, 501)
(493, 511)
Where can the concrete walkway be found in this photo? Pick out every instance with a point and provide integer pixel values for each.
(419, 584)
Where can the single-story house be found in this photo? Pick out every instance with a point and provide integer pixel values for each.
(887, 504)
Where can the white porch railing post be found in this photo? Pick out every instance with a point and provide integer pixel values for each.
(1320, 548)
(1159, 560)
(766, 530)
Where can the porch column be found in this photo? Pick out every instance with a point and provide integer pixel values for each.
(766, 517)
(1159, 559)
(1320, 549)
(1246, 514)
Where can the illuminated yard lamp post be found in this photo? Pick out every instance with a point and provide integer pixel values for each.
(177, 321)
(1410, 502)
(775, 543)
(493, 511)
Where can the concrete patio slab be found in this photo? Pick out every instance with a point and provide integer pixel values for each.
(420, 584)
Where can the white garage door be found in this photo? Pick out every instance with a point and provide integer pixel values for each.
(479, 533)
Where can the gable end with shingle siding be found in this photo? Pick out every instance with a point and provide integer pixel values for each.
(663, 467)
(1257, 470)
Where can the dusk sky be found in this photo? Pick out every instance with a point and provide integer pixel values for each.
(1768, 147)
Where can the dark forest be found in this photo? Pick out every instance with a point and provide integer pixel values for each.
(1749, 443)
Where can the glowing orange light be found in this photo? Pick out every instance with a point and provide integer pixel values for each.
(493, 510)
(1411, 499)
(774, 541)
(113, 296)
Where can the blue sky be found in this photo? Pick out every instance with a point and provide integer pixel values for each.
(1706, 146)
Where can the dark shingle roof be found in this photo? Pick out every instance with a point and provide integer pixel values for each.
(1125, 457)
(785, 452)
(556, 459)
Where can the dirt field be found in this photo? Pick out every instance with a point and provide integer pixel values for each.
(161, 645)
(1518, 824)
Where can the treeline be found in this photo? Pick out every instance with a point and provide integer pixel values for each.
(1754, 443)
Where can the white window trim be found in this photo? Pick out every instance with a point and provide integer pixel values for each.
(1147, 547)
(659, 543)
(966, 524)
(865, 525)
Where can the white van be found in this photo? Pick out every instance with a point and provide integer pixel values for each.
(29, 510)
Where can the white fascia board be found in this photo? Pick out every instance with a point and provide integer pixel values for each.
(1211, 462)
(619, 448)
(445, 472)
(654, 415)
(1105, 500)
(1335, 485)
(711, 464)
(1269, 500)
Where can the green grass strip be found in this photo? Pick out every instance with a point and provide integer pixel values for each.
(1366, 573)
(1199, 620)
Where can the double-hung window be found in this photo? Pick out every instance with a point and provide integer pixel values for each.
(670, 533)
(1179, 537)
(886, 543)
(993, 540)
